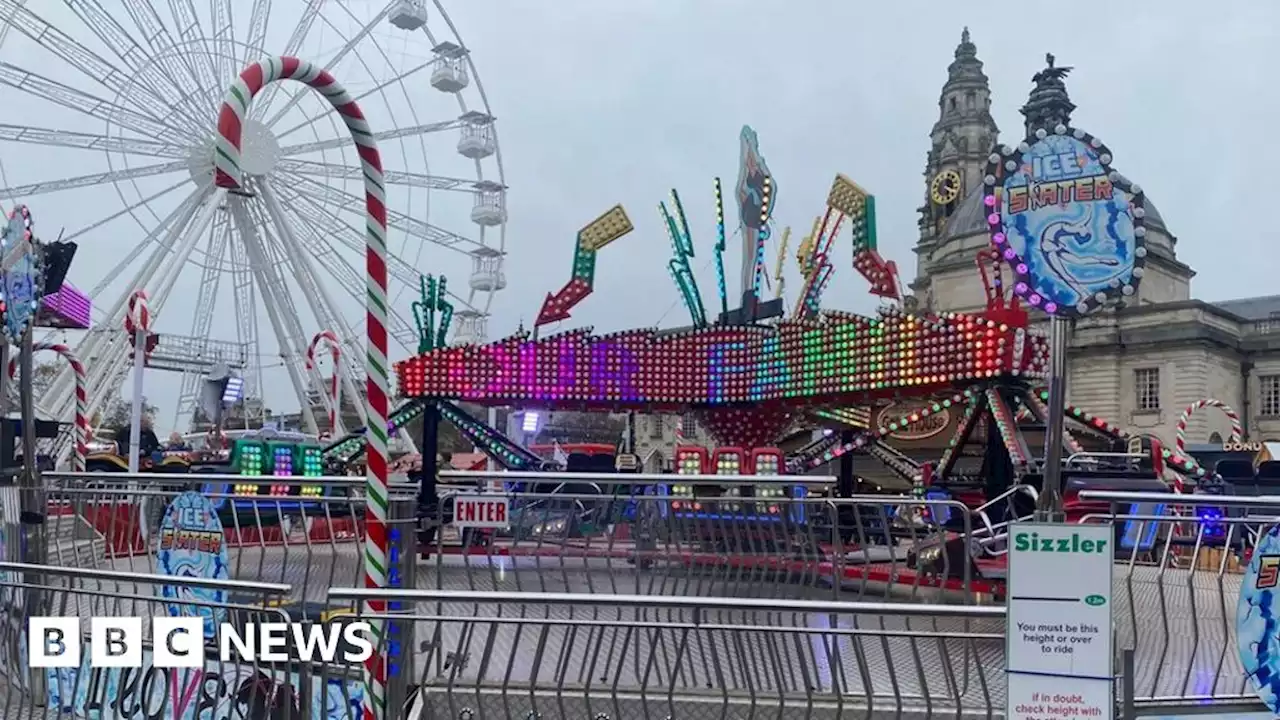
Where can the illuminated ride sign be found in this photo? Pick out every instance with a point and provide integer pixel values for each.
(920, 427)
(843, 359)
(1069, 225)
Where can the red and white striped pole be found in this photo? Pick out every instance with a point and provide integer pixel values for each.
(335, 388)
(137, 322)
(228, 174)
(82, 399)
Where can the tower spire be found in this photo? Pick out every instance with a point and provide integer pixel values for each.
(965, 96)
(1049, 104)
(959, 144)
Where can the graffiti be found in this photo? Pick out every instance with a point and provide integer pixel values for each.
(221, 691)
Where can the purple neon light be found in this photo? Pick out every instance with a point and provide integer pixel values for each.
(67, 309)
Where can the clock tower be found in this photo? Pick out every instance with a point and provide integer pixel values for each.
(961, 139)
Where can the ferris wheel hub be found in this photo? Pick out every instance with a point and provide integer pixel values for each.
(259, 153)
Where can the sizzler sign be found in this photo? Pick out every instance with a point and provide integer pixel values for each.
(482, 511)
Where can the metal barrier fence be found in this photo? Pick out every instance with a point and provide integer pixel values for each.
(310, 540)
(1179, 567)
(218, 690)
(616, 657)
(653, 552)
(622, 539)
(648, 540)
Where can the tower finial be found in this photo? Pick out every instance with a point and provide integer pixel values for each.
(1049, 104)
(964, 36)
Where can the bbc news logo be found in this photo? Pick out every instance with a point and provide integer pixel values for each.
(178, 642)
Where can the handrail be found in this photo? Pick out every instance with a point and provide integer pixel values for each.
(1179, 499)
(665, 602)
(148, 578)
(177, 478)
(1132, 457)
(630, 478)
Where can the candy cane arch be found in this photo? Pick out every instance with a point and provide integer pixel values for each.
(1180, 439)
(1237, 430)
(137, 322)
(138, 315)
(335, 389)
(82, 399)
(228, 174)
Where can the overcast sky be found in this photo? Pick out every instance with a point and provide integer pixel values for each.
(602, 102)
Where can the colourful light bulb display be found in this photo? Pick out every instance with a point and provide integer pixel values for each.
(282, 461)
(728, 461)
(691, 460)
(767, 462)
(821, 456)
(843, 358)
(312, 462)
(250, 458)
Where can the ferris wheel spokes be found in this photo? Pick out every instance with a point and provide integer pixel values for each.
(110, 364)
(202, 323)
(299, 36)
(386, 135)
(275, 245)
(322, 305)
(247, 231)
(90, 347)
(147, 125)
(350, 280)
(91, 141)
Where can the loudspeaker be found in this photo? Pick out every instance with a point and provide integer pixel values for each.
(57, 261)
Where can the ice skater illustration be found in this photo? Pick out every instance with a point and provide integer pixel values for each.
(1068, 247)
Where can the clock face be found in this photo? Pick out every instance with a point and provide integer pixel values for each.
(945, 187)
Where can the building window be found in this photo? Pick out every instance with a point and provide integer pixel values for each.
(1146, 383)
(1269, 385)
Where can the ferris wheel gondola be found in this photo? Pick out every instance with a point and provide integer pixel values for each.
(114, 110)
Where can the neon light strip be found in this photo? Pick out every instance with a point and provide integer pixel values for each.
(842, 360)
(963, 430)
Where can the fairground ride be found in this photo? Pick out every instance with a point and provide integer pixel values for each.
(758, 371)
(128, 98)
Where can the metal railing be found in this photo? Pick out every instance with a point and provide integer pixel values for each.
(647, 541)
(620, 577)
(218, 689)
(1178, 577)
(111, 521)
(568, 655)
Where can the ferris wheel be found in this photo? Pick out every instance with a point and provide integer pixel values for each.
(110, 109)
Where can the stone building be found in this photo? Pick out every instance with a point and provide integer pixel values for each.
(1138, 366)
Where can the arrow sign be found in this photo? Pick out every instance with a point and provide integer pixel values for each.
(860, 207)
(599, 233)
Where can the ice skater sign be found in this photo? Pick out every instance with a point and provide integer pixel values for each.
(1059, 644)
(192, 546)
(1069, 225)
(1258, 619)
